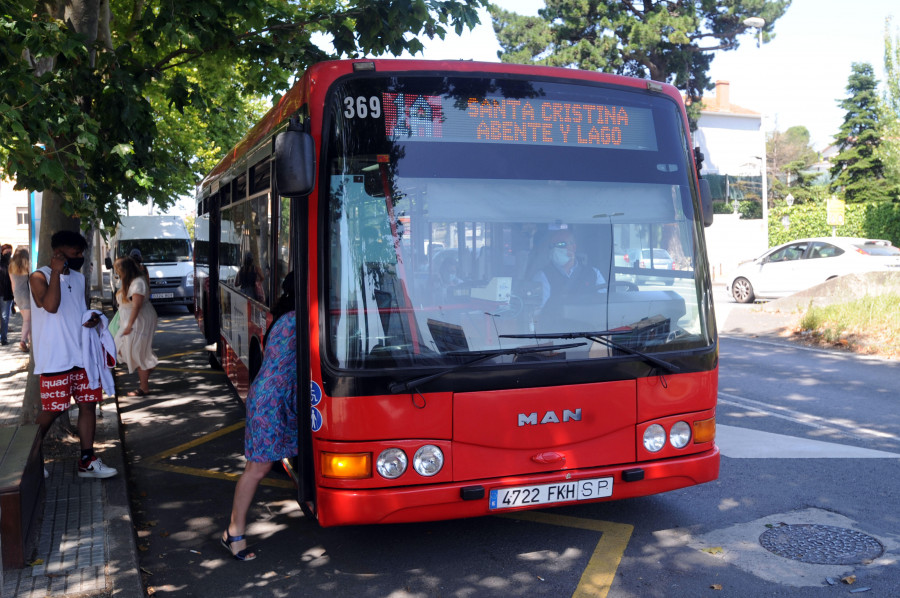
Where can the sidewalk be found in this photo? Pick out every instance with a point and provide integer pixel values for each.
(85, 541)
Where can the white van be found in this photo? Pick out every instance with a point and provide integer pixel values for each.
(165, 247)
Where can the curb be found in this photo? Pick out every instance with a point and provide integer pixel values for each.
(103, 563)
(122, 568)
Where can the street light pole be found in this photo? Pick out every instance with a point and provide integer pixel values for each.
(759, 23)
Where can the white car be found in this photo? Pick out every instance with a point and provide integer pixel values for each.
(800, 264)
(649, 259)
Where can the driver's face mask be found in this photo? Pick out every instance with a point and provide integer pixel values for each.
(560, 256)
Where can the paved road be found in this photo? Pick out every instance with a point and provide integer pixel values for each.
(809, 439)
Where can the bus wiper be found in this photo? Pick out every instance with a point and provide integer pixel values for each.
(479, 356)
(599, 336)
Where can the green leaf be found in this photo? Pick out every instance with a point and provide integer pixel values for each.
(122, 149)
(185, 81)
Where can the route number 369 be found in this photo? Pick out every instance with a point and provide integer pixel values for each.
(362, 107)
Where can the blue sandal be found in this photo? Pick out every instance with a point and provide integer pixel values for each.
(242, 555)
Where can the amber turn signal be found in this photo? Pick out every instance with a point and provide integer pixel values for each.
(705, 430)
(347, 466)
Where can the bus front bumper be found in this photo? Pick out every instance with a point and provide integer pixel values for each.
(445, 501)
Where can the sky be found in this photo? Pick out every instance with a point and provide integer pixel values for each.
(797, 78)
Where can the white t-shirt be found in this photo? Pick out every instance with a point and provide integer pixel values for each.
(57, 337)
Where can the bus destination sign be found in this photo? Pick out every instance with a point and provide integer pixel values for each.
(517, 121)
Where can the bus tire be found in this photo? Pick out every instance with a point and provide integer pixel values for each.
(255, 359)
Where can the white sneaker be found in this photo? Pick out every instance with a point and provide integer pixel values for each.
(96, 469)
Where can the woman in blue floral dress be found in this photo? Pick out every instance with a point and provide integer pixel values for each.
(271, 431)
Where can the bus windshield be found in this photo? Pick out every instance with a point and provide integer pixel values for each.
(465, 214)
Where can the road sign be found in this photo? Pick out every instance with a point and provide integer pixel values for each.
(835, 211)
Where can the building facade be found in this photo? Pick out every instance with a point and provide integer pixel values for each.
(14, 215)
(733, 142)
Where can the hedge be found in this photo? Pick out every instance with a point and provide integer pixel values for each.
(873, 220)
(750, 210)
(720, 207)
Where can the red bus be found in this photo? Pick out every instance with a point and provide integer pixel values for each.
(482, 327)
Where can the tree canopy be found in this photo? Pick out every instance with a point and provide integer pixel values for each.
(889, 152)
(858, 170)
(788, 155)
(106, 101)
(670, 41)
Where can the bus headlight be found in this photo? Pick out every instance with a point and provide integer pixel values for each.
(428, 460)
(391, 463)
(680, 435)
(189, 280)
(654, 438)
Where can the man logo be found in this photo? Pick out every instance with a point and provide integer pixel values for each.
(531, 419)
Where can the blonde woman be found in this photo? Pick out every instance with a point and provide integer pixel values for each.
(19, 270)
(137, 323)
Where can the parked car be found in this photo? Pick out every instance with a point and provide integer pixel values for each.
(656, 259)
(648, 259)
(798, 265)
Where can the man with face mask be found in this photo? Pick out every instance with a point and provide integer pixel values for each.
(57, 297)
(564, 277)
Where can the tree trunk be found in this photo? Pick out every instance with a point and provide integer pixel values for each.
(91, 19)
(84, 17)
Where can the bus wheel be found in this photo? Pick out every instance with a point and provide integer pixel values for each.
(255, 360)
(742, 290)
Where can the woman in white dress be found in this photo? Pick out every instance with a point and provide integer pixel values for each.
(137, 323)
(19, 270)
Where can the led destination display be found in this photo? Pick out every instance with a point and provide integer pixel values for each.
(517, 121)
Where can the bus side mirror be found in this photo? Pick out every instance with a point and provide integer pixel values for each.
(295, 163)
(706, 202)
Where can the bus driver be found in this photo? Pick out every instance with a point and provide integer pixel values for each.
(564, 278)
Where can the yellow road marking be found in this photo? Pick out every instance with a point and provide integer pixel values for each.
(154, 461)
(598, 576)
(174, 355)
(185, 332)
(203, 371)
(196, 442)
(219, 475)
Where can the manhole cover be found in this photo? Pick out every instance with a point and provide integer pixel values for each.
(820, 544)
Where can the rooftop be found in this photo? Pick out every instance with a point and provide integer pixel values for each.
(721, 102)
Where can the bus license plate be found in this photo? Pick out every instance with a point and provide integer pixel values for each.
(545, 494)
(162, 295)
